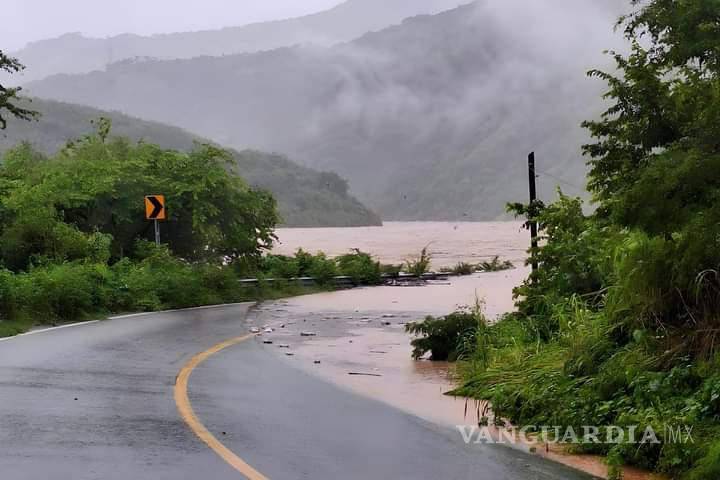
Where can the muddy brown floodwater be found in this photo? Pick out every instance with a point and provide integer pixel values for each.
(449, 243)
(356, 338)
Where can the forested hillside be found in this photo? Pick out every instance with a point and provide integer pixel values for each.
(75, 53)
(306, 197)
(431, 119)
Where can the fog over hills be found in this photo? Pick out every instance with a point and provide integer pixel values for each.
(430, 119)
(306, 197)
(75, 53)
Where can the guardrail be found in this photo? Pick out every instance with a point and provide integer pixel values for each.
(345, 281)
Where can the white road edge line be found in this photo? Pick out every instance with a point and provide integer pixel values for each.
(50, 329)
(119, 317)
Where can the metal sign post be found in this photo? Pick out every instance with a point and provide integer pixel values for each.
(157, 233)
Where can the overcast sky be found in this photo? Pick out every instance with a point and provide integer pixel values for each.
(28, 20)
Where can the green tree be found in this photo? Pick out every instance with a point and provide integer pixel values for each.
(9, 96)
(665, 110)
(98, 183)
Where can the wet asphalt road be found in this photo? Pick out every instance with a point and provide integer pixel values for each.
(96, 402)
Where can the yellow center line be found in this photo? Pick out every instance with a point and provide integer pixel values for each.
(183, 405)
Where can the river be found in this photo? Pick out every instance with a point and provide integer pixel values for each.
(449, 243)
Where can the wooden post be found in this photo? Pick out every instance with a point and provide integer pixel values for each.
(533, 198)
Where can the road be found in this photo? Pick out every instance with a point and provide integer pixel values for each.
(98, 401)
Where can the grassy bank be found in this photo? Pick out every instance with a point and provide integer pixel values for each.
(614, 330)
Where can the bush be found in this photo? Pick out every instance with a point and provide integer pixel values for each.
(303, 264)
(280, 266)
(361, 267)
(161, 281)
(442, 337)
(323, 269)
(61, 292)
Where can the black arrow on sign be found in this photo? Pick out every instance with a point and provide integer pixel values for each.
(157, 206)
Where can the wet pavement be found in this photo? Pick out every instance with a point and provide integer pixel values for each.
(96, 402)
(363, 331)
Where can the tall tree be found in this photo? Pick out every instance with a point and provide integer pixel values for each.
(9, 96)
(657, 154)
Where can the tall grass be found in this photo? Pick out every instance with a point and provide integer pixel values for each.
(419, 265)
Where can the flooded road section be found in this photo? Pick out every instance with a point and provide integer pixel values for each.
(362, 331)
(356, 338)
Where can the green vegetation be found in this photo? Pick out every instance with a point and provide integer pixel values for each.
(447, 338)
(74, 242)
(495, 265)
(71, 291)
(465, 268)
(361, 267)
(419, 265)
(619, 326)
(358, 265)
(88, 197)
(305, 197)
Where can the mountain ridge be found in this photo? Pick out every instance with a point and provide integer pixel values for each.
(306, 198)
(343, 22)
(429, 119)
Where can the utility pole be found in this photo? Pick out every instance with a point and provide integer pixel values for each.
(533, 197)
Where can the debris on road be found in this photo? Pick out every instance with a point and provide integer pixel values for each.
(360, 374)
